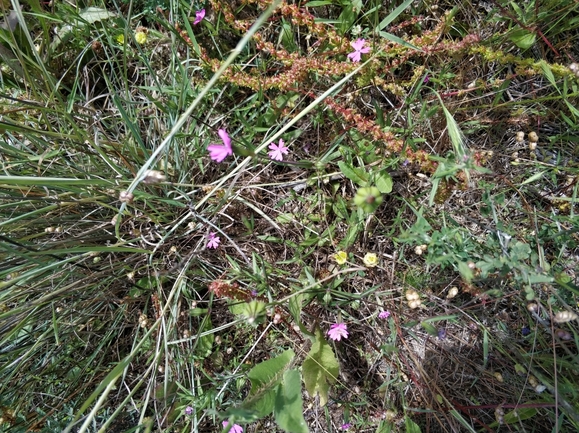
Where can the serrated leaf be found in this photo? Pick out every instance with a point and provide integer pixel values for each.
(289, 410)
(355, 174)
(320, 369)
(265, 377)
(522, 38)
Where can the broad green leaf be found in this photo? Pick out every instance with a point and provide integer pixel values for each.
(265, 378)
(320, 369)
(411, 426)
(355, 174)
(522, 38)
(289, 410)
(384, 182)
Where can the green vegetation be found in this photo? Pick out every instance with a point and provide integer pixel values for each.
(281, 215)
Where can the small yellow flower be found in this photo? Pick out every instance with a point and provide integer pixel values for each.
(121, 39)
(140, 37)
(370, 260)
(341, 257)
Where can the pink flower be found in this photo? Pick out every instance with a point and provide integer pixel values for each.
(188, 410)
(235, 429)
(337, 331)
(276, 151)
(384, 314)
(199, 15)
(359, 49)
(214, 241)
(346, 426)
(217, 152)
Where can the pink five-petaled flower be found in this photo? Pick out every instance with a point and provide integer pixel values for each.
(276, 151)
(337, 331)
(213, 241)
(359, 49)
(235, 429)
(384, 314)
(218, 152)
(199, 15)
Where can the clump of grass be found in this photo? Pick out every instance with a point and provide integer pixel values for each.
(424, 208)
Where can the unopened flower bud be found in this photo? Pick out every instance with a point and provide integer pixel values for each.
(154, 176)
(533, 137)
(520, 137)
(126, 197)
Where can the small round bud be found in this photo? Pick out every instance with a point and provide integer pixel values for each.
(154, 176)
(126, 197)
(520, 137)
(533, 137)
(532, 145)
(452, 293)
(532, 307)
(574, 67)
(414, 304)
(563, 335)
(412, 295)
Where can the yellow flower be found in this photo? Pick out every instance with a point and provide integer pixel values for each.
(121, 39)
(341, 257)
(140, 37)
(370, 260)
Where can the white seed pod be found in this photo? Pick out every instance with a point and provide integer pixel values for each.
(533, 136)
(131, 276)
(533, 381)
(186, 333)
(412, 295)
(540, 388)
(418, 250)
(126, 197)
(154, 176)
(414, 303)
(173, 250)
(520, 137)
(564, 316)
(532, 145)
(574, 67)
(218, 339)
(49, 230)
(452, 292)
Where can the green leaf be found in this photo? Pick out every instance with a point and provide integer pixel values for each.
(411, 426)
(534, 177)
(522, 38)
(320, 369)
(265, 378)
(355, 174)
(289, 410)
(384, 182)
(430, 329)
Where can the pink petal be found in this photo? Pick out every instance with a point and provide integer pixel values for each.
(355, 56)
(359, 44)
(225, 137)
(199, 15)
(218, 152)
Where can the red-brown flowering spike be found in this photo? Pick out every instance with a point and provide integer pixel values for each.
(223, 289)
